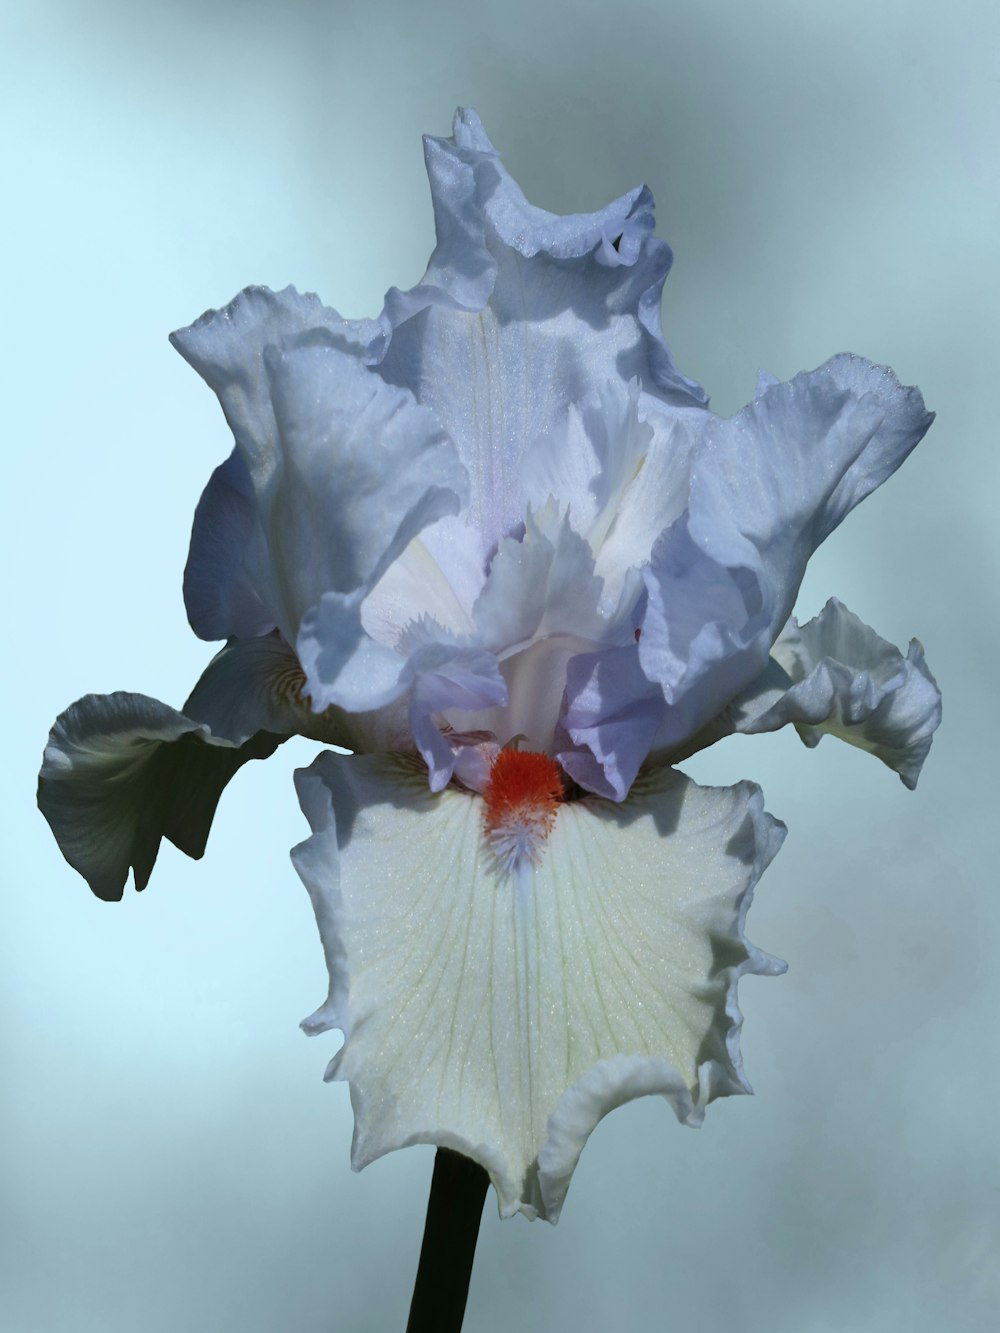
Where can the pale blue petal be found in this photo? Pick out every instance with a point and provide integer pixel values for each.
(763, 692)
(344, 666)
(447, 676)
(461, 271)
(521, 226)
(611, 719)
(849, 682)
(232, 584)
(705, 631)
(438, 575)
(226, 347)
(535, 679)
(767, 486)
(227, 574)
(432, 667)
(361, 470)
(904, 422)
(522, 313)
(256, 685)
(619, 464)
(541, 585)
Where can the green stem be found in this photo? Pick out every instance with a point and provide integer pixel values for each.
(454, 1209)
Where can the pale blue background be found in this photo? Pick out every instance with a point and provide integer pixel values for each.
(827, 175)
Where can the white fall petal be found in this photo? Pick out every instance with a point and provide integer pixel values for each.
(504, 1015)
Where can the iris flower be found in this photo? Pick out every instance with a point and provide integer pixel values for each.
(496, 545)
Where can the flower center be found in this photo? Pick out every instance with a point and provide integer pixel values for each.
(522, 795)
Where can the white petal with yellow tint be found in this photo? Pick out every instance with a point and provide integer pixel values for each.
(503, 1016)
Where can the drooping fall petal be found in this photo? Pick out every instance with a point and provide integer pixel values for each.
(503, 1014)
(122, 771)
(848, 682)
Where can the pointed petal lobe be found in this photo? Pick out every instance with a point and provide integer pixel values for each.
(122, 771)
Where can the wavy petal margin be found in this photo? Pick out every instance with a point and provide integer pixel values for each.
(767, 487)
(521, 313)
(503, 1017)
(122, 771)
(226, 347)
(849, 682)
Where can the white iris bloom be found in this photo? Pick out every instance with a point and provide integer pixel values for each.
(497, 545)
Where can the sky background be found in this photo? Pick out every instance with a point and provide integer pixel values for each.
(827, 176)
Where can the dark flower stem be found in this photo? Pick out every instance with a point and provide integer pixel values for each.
(454, 1209)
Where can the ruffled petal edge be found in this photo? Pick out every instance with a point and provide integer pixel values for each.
(335, 792)
(122, 771)
(847, 681)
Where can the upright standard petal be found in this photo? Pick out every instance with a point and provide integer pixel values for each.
(522, 313)
(336, 470)
(767, 486)
(540, 585)
(503, 1015)
(619, 466)
(226, 347)
(362, 470)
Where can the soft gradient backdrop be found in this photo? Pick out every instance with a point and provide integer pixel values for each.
(827, 175)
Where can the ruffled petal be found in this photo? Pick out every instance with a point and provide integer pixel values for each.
(522, 313)
(121, 771)
(325, 444)
(503, 1017)
(619, 465)
(227, 589)
(650, 499)
(611, 718)
(416, 585)
(226, 348)
(849, 682)
(542, 584)
(462, 270)
(344, 666)
(432, 667)
(362, 470)
(767, 486)
(541, 606)
(445, 676)
(704, 633)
